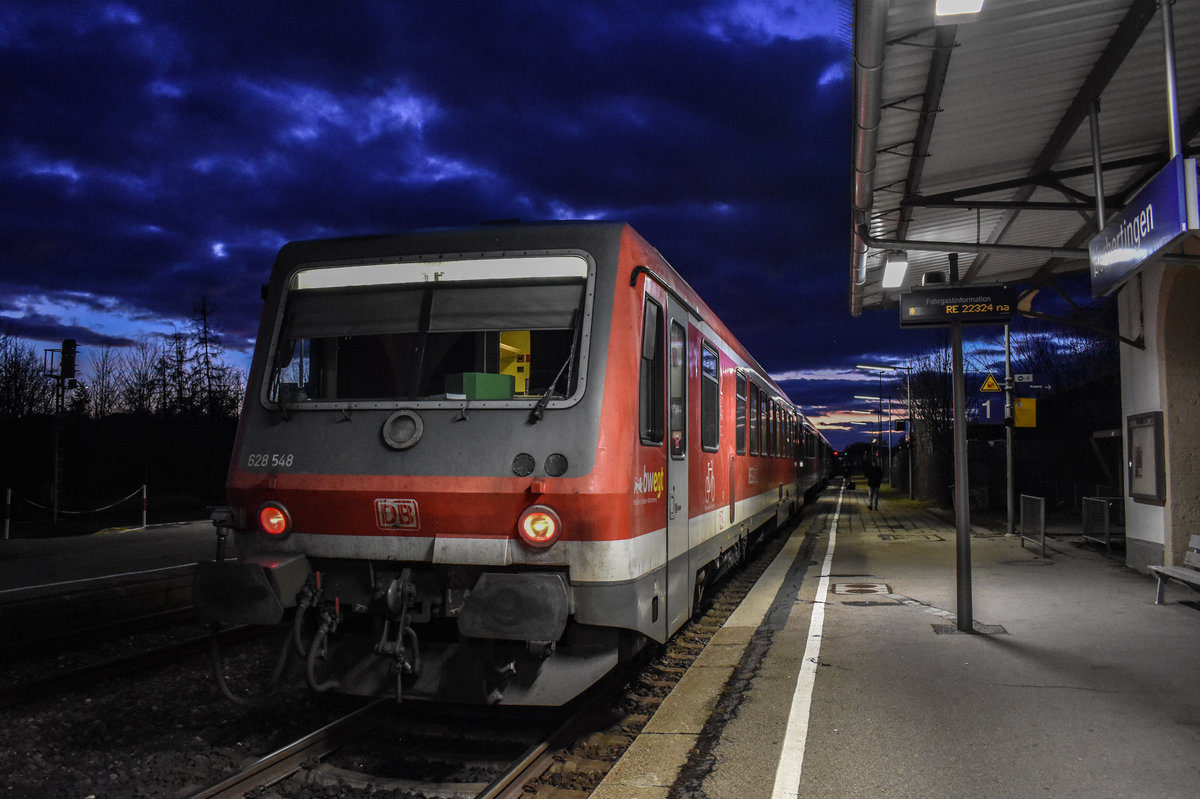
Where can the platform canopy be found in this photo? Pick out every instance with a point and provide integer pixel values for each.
(976, 137)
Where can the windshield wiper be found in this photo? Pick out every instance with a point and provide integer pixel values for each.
(539, 410)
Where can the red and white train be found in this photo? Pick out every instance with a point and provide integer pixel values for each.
(485, 464)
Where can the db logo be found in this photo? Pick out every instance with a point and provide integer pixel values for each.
(397, 514)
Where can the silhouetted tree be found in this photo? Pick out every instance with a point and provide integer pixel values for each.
(25, 390)
(932, 435)
(137, 377)
(104, 390)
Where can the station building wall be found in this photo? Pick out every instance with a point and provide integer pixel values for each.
(1162, 304)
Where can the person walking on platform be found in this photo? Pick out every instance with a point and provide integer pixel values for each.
(874, 478)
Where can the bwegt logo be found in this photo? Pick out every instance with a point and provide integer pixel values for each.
(649, 483)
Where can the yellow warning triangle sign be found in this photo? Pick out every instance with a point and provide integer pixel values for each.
(990, 384)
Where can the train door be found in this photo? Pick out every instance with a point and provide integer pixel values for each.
(679, 572)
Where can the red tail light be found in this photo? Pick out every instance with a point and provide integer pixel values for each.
(274, 519)
(539, 526)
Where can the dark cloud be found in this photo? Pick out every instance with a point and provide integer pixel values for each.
(164, 152)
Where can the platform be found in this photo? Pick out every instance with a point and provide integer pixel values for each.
(51, 587)
(1078, 685)
(43, 564)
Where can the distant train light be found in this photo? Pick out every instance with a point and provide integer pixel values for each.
(539, 526)
(275, 519)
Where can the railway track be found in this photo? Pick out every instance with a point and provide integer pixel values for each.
(177, 734)
(447, 770)
(419, 749)
(103, 668)
(289, 759)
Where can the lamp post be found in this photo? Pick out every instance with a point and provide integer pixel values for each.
(880, 400)
(880, 369)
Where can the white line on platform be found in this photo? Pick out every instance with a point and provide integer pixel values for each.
(791, 759)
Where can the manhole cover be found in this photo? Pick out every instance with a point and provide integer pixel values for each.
(861, 588)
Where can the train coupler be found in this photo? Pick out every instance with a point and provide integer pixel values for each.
(404, 649)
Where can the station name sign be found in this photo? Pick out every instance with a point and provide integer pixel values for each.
(1154, 219)
(967, 304)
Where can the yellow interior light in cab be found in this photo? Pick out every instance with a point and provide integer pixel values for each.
(515, 358)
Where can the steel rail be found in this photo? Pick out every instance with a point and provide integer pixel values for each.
(90, 674)
(289, 759)
(537, 759)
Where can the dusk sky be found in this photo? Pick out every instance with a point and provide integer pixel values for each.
(155, 153)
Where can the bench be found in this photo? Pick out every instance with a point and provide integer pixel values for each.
(1188, 573)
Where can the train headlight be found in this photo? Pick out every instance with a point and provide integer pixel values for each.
(539, 526)
(274, 519)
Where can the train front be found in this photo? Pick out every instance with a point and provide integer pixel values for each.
(413, 470)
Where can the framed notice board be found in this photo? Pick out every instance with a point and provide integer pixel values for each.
(1147, 460)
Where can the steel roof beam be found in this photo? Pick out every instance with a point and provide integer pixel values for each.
(935, 81)
(1190, 128)
(1045, 179)
(1126, 36)
(993, 205)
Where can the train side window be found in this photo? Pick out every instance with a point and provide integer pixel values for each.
(789, 437)
(741, 414)
(766, 425)
(678, 386)
(710, 416)
(774, 429)
(764, 421)
(653, 376)
(753, 420)
(771, 427)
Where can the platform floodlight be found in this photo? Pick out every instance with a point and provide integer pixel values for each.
(957, 11)
(894, 269)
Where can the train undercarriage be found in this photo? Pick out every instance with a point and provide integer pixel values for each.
(467, 634)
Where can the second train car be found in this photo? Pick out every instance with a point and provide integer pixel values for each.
(485, 464)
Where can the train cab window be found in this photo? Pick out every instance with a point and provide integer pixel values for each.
(651, 383)
(752, 422)
(740, 412)
(678, 389)
(490, 329)
(710, 417)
